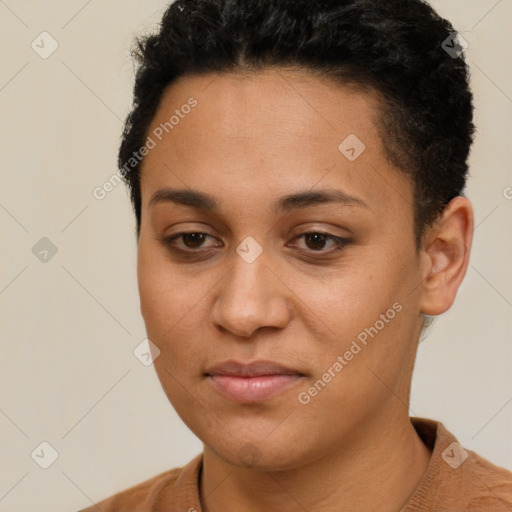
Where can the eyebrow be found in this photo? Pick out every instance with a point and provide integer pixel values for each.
(295, 201)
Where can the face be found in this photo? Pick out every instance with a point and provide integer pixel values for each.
(277, 265)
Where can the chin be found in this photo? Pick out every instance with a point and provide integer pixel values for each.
(254, 448)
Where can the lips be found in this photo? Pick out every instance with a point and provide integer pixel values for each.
(252, 382)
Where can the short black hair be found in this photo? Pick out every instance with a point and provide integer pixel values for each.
(393, 47)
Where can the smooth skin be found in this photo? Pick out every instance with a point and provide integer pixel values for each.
(252, 139)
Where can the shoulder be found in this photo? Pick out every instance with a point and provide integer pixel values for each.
(491, 485)
(144, 496)
(138, 497)
(484, 485)
(457, 478)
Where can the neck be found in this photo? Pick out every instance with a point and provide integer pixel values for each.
(378, 471)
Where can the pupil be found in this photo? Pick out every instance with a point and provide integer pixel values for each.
(196, 239)
(318, 240)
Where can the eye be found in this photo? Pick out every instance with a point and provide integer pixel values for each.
(191, 241)
(316, 240)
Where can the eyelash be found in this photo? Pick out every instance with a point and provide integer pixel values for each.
(340, 242)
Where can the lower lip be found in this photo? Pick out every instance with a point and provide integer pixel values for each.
(252, 389)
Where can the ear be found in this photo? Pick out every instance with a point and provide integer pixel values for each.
(446, 249)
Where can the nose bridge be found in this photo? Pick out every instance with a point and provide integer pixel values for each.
(250, 297)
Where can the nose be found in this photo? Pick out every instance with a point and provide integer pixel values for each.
(251, 296)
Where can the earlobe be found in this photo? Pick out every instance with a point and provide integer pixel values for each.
(447, 250)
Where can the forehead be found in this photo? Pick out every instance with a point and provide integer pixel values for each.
(272, 132)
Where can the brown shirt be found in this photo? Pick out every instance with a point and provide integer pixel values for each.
(456, 480)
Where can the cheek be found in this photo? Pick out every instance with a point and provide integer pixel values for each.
(369, 303)
(353, 296)
(168, 299)
(170, 306)
(165, 294)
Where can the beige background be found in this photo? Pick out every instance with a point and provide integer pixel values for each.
(68, 326)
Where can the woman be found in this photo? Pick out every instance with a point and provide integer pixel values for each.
(296, 170)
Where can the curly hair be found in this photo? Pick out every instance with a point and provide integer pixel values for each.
(392, 47)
